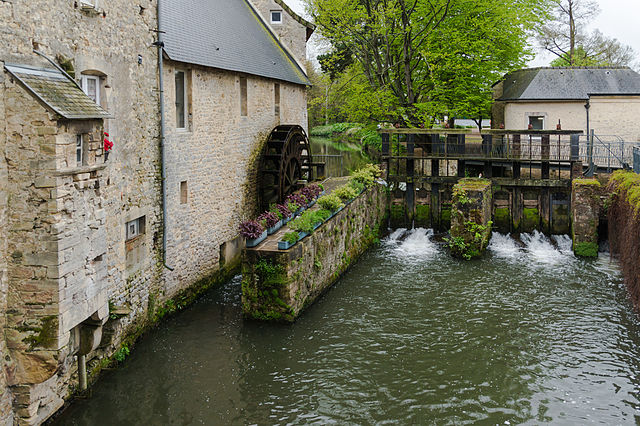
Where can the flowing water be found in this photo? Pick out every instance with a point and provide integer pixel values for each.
(530, 334)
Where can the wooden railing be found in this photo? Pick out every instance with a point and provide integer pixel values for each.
(410, 152)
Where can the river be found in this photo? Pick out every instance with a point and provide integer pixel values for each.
(530, 334)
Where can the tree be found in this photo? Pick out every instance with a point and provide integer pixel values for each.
(432, 56)
(565, 36)
(479, 42)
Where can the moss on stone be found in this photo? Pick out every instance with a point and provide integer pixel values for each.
(629, 183)
(502, 218)
(423, 215)
(397, 212)
(592, 182)
(586, 249)
(45, 335)
(531, 218)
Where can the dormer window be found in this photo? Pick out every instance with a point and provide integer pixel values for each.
(276, 17)
(91, 86)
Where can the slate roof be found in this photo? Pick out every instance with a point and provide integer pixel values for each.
(57, 91)
(225, 34)
(577, 83)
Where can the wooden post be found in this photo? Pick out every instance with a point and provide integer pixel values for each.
(516, 155)
(385, 150)
(545, 150)
(460, 150)
(487, 148)
(410, 194)
(435, 149)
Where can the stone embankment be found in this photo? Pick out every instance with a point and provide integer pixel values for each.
(278, 284)
(624, 222)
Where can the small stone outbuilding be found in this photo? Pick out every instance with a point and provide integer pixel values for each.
(604, 99)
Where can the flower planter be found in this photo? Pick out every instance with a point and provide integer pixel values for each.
(285, 245)
(311, 204)
(275, 228)
(317, 225)
(286, 220)
(252, 242)
(301, 235)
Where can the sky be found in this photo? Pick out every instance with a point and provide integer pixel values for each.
(618, 18)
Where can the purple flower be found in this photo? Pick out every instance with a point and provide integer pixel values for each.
(296, 199)
(271, 219)
(283, 210)
(251, 229)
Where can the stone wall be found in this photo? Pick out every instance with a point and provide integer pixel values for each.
(586, 205)
(104, 43)
(6, 397)
(278, 285)
(624, 222)
(217, 156)
(290, 32)
(470, 218)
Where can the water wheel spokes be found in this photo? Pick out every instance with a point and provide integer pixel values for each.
(285, 164)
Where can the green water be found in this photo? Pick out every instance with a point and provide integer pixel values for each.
(340, 158)
(408, 336)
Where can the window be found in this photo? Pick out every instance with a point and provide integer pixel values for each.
(536, 122)
(135, 228)
(276, 17)
(184, 194)
(243, 96)
(181, 95)
(79, 150)
(91, 86)
(276, 99)
(89, 4)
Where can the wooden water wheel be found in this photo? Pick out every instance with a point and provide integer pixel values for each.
(285, 165)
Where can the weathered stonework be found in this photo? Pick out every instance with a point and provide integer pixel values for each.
(64, 228)
(66, 260)
(278, 285)
(586, 205)
(470, 218)
(217, 156)
(624, 221)
(292, 31)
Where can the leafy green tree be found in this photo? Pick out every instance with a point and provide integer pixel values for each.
(417, 59)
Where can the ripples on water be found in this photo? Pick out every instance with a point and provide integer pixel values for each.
(530, 334)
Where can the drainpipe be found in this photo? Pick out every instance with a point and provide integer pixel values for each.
(587, 106)
(82, 372)
(160, 45)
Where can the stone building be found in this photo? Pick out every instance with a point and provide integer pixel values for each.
(606, 100)
(82, 265)
(224, 91)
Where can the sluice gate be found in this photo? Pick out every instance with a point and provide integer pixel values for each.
(530, 171)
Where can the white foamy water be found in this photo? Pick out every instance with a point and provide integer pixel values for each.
(412, 243)
(504, 246)
(536, 248)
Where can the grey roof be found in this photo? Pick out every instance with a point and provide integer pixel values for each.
(57, 91)
(577, 83)
(225, 34)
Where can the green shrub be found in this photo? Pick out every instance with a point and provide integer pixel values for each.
(366, 175)
(357, 186)
(303, 223)
(346, 192)
(330, 202)
(291, 237)
(322, 215)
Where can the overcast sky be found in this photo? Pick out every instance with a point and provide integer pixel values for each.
(618, 18)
